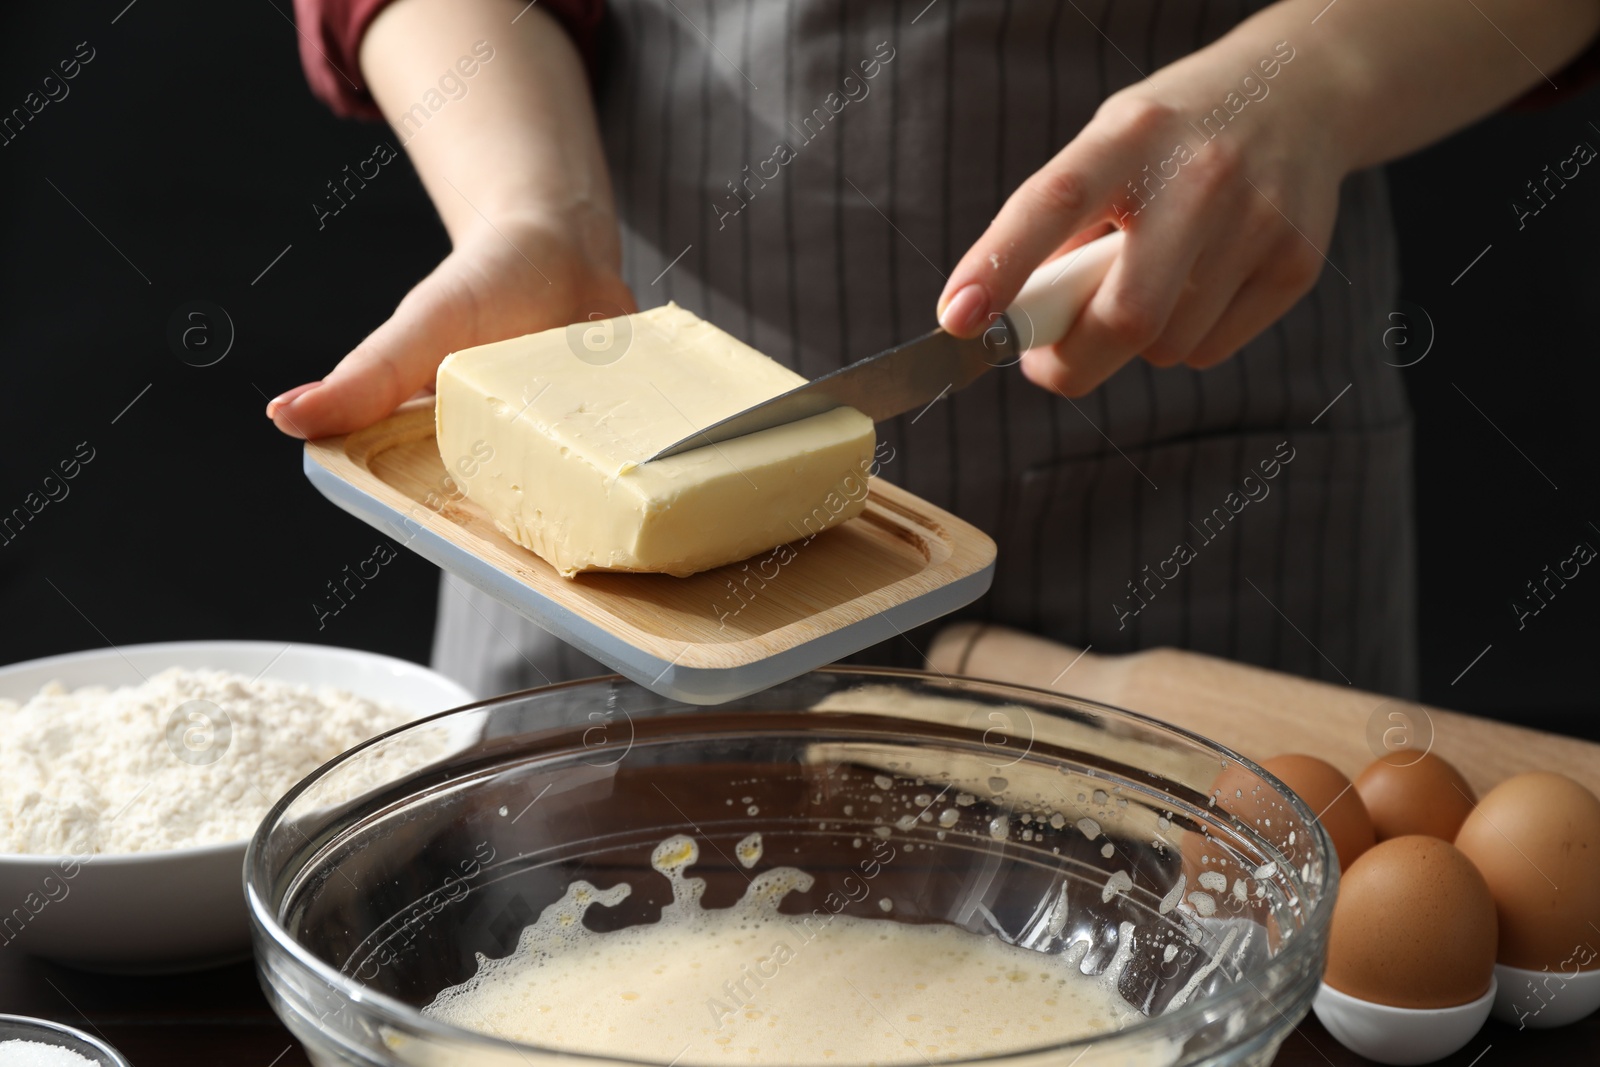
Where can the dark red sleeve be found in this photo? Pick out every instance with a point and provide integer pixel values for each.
(330, 43)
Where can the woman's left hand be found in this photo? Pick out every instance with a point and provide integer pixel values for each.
(1227, 190)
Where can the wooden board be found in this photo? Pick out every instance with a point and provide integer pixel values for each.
(1261, 713)
(707, 638)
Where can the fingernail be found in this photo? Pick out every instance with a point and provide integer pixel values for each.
(290, 397)
(964, 315)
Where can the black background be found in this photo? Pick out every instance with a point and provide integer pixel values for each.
(192, 145)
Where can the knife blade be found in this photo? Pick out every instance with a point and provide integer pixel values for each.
(894, 381)
(915, 374)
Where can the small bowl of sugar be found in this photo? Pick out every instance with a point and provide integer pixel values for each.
(26, 1042)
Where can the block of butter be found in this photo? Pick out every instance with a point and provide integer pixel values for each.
(547, 433)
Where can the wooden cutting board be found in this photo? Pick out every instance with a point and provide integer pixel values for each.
(1261, 713)
(704, 639)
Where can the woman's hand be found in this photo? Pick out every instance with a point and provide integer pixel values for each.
(516, 278)
(518, 145)
(1226, 214)
(1228, 220)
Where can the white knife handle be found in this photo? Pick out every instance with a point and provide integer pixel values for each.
(1055, 294)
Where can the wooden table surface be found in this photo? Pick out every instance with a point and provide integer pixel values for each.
(219, 1018)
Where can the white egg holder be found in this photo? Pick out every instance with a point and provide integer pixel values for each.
(1525, 999)
(1543, 1000)
(1400, 1036)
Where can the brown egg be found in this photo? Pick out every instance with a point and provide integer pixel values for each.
(1536, 838)
(1241, 793)
(1332, 799)
(1413, 927)
(1407, 793)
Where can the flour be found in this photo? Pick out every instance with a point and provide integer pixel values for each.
(187, 758)
(18, 1053)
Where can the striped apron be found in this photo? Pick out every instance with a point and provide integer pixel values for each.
(803, 173)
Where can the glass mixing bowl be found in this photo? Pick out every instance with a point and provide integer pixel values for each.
(1058, 825)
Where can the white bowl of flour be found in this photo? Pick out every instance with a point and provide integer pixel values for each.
(132, 778)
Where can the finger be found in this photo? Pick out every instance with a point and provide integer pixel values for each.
(1066, 195)
(283, 398)
(1129, 310)
(1213, 285)
(1270, 292)
(395, 361)
(1226, 254)
(1083, 237)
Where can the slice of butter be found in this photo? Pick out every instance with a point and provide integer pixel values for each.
(547, 433)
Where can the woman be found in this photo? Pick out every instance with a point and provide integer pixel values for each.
(822, 177)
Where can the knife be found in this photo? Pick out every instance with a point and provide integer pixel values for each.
(916, 374)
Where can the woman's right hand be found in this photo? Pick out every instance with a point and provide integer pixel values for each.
(514, 278)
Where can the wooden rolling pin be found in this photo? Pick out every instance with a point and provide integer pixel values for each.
(1262, 713)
